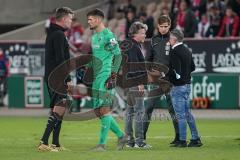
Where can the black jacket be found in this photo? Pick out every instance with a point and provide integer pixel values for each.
(181, 62)
(159, 50)
(135, 71)
(56, 49)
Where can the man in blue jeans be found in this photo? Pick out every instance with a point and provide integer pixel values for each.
(181, 66)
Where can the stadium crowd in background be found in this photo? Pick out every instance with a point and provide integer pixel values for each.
(219, 17)
(196, 18)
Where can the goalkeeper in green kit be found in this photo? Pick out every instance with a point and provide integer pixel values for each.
(105, 63)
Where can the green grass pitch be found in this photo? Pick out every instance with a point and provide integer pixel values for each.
(20, 136)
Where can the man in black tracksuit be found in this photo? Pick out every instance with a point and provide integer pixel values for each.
(160, 48)
(56, 53)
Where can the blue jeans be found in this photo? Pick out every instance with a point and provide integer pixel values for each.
(180, 100)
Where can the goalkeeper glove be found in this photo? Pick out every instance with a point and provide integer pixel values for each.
(111, 81)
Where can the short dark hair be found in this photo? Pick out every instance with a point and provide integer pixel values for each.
(96, 12)
(63, 11)
(164, 19)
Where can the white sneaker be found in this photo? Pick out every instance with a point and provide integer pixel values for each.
(142, 145)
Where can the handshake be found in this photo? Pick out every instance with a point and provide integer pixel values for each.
(77, 91)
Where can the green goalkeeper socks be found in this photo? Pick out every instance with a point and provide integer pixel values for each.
(108, 122)
(105, 122)
(115, 128)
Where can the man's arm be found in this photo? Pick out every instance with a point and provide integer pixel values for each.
(150, 56)
(112, 46)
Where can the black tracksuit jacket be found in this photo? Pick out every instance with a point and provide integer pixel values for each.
(159, 52)
(56, 49)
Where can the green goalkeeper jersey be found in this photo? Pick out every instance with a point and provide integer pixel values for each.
(106, 59)
(106, 53)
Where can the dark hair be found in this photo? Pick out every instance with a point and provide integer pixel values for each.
(164, 19)
(135, 27)
(63, 11)
(96, 12)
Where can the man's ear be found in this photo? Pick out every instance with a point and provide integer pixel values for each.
(63, 19)
(98, 20)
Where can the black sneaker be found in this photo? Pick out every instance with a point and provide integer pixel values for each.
(195, 143)
(130, 144)
(175, 141)
(180, 144)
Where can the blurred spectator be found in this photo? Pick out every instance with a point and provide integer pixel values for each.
(131, 17)
(111, 9)
(199, 7)
(235, 5)
(4, 66)
(220, 4)
(186, 20)
(164, 5)
(151, 8)
(214, 17)
(230, 24)
(157, 13)
(175, 6)
(149, 21)
(142, 9)
(204, 26)
(75, 34)
(118, 25)
(127, 5)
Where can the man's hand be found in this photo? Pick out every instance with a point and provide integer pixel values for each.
(111, 81)
(77, 91)
(70, 87)
(141, 89)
